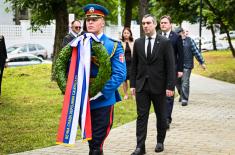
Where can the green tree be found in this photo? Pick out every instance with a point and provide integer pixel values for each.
(43, 12)
(224, 16)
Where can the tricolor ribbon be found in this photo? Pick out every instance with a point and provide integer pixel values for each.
(76, 105)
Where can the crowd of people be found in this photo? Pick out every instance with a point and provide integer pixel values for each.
(151, 66)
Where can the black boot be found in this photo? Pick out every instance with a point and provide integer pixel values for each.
(96, 152)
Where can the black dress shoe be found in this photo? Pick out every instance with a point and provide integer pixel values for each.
(184, 103)
(96, 152)
(159, 147)
(139, 151)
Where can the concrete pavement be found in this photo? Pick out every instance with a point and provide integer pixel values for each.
(205, 127)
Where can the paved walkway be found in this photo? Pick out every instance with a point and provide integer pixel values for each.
(205, 127)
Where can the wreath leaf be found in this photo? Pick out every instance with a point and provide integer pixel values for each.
(96, 84)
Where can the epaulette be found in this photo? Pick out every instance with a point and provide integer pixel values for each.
(114, 40)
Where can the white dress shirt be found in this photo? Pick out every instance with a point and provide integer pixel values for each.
(167, 34)
(153, 37)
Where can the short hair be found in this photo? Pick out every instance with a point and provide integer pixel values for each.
(128, 29)
(167, 17)
(153, 17)
(75, 21)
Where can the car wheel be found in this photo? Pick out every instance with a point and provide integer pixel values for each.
(40, 56)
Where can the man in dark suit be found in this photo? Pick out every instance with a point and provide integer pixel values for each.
(75, 29)
(176, 41)
(152, 79)
(3, 56)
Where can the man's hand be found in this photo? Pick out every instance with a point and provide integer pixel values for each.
(132, 91)
(179, 74)
(203, 66)
(96, 96)
(169, 93)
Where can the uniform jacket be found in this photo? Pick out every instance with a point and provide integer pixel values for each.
(159, 70)
(118, 66)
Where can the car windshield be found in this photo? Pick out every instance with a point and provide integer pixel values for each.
(12, 48)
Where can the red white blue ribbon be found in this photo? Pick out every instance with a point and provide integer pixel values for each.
(76, 105)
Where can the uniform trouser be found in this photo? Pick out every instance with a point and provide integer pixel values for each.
(183, 85)
(101, 121)
(143, 101)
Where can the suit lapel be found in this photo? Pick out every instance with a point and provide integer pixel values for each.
(155, 48)
(142, 46)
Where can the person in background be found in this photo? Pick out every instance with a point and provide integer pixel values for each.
(75, 29)
(3, 57)
(152, 79)
(176, 41)
(190, 50)
(127, 43)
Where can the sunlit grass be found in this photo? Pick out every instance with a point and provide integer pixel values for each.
(220, 65)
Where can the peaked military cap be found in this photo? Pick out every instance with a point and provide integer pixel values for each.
(95, 10)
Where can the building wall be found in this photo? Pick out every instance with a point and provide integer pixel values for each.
(6, 18)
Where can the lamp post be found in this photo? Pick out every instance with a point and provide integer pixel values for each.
(200, 26)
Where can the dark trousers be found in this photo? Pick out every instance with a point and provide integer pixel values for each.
(169, 105)
(143, 100)
(101, 121)
(1, 74)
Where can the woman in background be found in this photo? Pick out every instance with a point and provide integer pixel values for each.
(127, 42)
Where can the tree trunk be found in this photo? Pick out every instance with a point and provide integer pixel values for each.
(213, 37)
(230, 43)
(143, 9)
(223, 26)
(128, 13)
(61, 17)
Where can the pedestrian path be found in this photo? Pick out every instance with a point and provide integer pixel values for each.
(205, 127)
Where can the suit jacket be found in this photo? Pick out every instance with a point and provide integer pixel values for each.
(67, 39)
(177, 44)
(3, 52)
(159, 70)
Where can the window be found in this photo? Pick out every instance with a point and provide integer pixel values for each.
(40, 47)
(23, 49)
(32, 48)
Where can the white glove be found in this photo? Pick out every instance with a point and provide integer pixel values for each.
(96, 96)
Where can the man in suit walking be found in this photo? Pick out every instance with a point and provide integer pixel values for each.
(176, 41)
(152, 79)
(75, 29)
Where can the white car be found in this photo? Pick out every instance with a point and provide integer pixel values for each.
(224, 35)
(34, 49)
(14, 60)
(209, 46)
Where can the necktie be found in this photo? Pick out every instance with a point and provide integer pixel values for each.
(149, 48)
(165, 34)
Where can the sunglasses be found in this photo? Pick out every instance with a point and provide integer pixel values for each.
(77, 27)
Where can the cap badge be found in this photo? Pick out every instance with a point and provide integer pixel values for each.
(92, 9)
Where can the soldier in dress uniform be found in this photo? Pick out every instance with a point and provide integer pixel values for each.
(102, 104)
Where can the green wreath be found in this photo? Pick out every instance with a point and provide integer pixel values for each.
(103, 61)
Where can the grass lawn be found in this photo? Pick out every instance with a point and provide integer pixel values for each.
(220, 65)
(30, 108)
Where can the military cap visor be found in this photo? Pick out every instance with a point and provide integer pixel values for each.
(95, 10)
